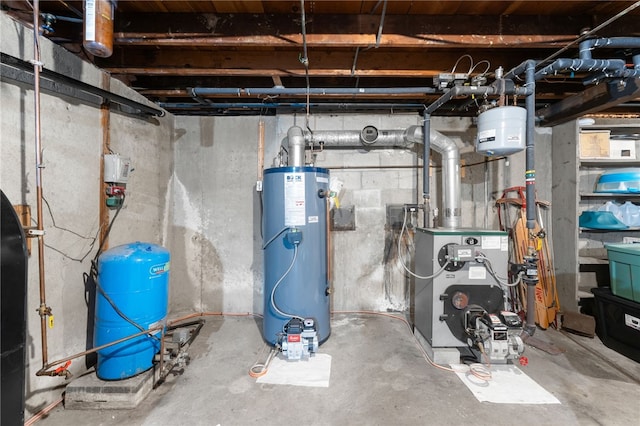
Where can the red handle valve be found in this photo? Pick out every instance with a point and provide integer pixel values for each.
(523, 361)
(60, 369)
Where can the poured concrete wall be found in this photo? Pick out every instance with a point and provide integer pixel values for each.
(215, 235)
(72, 136)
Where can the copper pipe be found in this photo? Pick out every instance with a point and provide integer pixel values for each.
(43, 310)
(43, 372)
(170, 323)
(260, 150)
(329, 242)
(105, 123)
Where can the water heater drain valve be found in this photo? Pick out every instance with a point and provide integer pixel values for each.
(299, 339)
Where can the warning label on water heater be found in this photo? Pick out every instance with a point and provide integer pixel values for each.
(294, 199)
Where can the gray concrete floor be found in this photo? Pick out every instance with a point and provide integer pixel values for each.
(378, 377)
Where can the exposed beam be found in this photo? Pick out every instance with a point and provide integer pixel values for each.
(417, 27)
(266, 30)
(345, 40)
(592, 100)
(325, 63)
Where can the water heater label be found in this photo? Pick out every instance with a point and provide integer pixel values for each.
(294, 200)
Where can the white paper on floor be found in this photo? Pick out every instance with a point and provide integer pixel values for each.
(508, 385)
(312, 372)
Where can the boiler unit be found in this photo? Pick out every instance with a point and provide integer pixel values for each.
(133, 291)
(459, 301)
(296, 286)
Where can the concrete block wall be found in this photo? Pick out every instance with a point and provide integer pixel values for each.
(72, 151)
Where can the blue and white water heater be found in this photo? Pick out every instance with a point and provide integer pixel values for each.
(294, 227)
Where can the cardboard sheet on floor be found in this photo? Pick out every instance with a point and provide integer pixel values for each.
(508, 385)
(314, 372)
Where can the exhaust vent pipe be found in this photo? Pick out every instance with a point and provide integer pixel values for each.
(371, 137)
(451, 194)
(296, 146)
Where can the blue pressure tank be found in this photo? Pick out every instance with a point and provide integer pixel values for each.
(294, 228)
(133, 282)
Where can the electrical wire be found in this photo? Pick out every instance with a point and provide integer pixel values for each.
(438, 272)
(91, 245)
(472, 69)
(305, 60)
(93, 275)
(265, 245)
(273, 290)
(466, 55)
(487, 264)
(259, 369)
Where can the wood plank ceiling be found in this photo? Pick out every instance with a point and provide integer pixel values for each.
(164, 49)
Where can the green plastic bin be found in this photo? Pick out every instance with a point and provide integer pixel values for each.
(624, 270)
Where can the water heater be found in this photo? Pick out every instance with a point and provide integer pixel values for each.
(294, 228)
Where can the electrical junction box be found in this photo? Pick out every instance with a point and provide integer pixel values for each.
(116, 168)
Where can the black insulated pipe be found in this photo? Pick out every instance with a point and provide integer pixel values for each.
(585, 47)
(530, 185)
(82, 86)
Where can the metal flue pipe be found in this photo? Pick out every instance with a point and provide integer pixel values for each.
(370, 137)
(451, 184)
(296, 146)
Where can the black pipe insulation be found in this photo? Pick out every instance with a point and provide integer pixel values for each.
(530, 184)
(270, 91)
(586, 46)
(613, 67)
